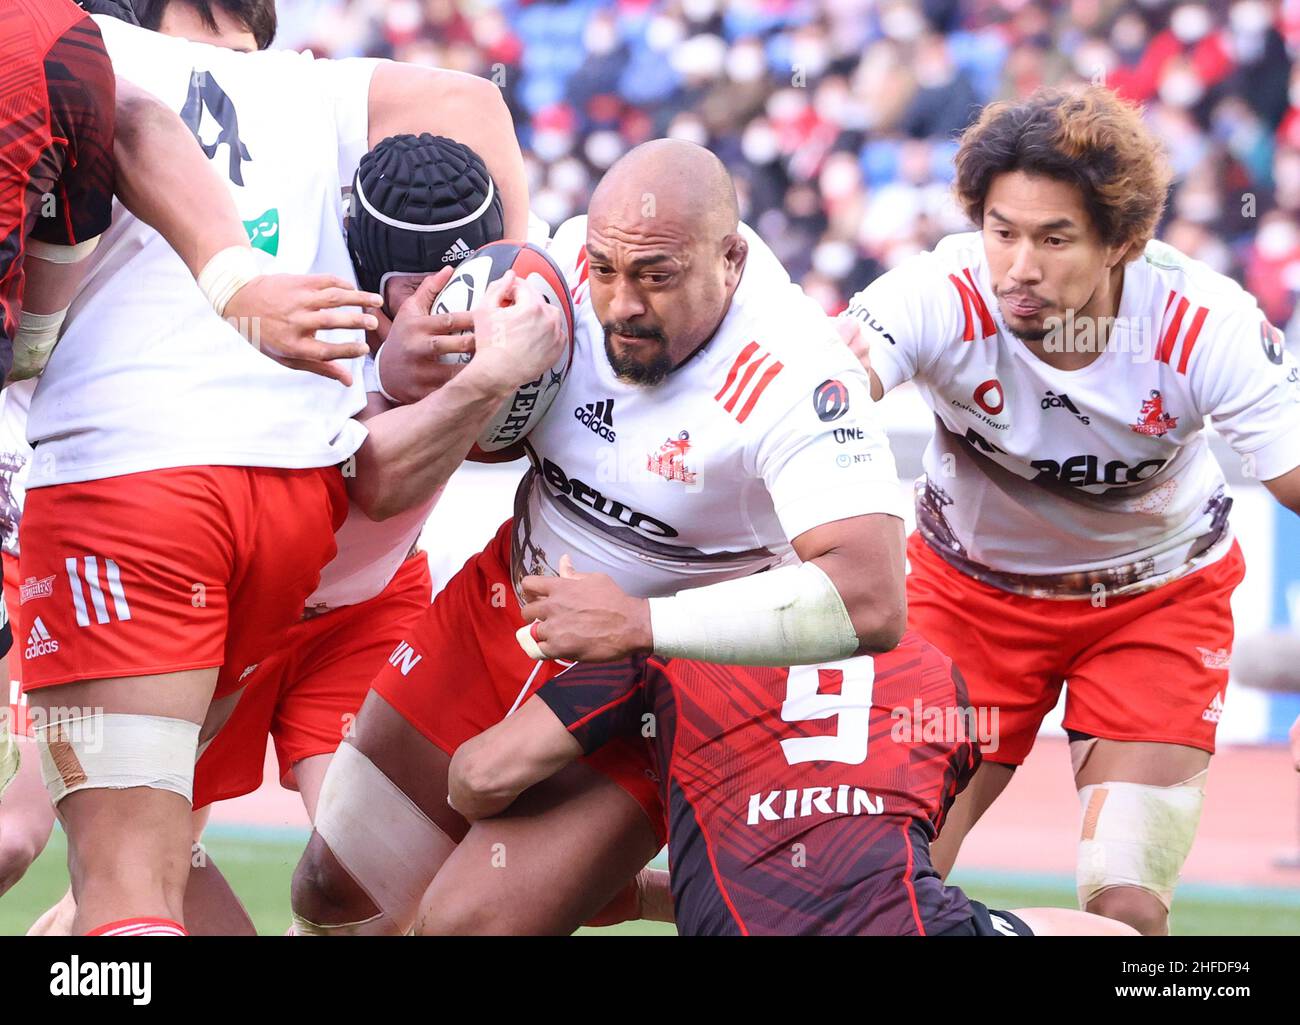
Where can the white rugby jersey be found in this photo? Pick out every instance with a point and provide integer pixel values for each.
(15, 454)
(1047, 481)
(767, 431)
(146, 376)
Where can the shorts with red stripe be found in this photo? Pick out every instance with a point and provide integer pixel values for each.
(168, 570)
(307, 694)
(18, 720)
(1149, 667)
(459, 670)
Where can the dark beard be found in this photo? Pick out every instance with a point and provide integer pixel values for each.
(643, 375)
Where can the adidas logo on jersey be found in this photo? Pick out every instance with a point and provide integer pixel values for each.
(1053, 401)
(458, 251)
(39, 641)
(599, 417)
(1215, 710)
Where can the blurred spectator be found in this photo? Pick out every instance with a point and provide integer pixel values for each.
(838, 117)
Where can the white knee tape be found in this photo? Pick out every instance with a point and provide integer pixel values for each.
(115, 752)
(373, 926)
(9, 757)
(378, 834)
(1137, 835)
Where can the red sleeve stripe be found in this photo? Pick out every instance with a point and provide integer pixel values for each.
(1171, 332)
(744, 382)
(1190, 340)
(759, 388)
(972, 303)
(745, 353)
(579, 723)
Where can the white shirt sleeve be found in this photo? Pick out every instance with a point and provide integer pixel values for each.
(826, 457)
(907, 313)
(1248, 385)
(344, 89)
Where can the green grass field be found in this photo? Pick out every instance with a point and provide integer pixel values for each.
(259, 870)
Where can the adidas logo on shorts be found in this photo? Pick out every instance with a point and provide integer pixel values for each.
(458, 251)
(1215, 712)
(39, 641)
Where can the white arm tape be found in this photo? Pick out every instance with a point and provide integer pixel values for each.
(785, 617)
(35, 339)
(52, 253)
(379, 380)
(226, 273)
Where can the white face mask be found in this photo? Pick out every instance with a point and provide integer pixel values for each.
(1250, 16)
(1190, 23)
(550, 145)
(902, 23)
(745, 64)
(834, 259)
(1181, 88)
(688, 129)
(663, 33)
(839, 178)
(601, 38)
(1276, 239)
(699, 10)
(759, 144)
(603, 148)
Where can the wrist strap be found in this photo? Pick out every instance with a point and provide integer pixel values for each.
(226, 273)
(379, 378)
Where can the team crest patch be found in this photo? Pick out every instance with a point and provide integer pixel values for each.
(34, 589)
(669, 462)
(1214, 659)
(1152, 419)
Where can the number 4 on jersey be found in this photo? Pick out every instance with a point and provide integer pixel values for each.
(807, 698)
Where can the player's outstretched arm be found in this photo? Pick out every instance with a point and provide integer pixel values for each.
(489, 771)
(409, 99)
(165, 180)
(1286, 489)
(864, 558)
(412, 450)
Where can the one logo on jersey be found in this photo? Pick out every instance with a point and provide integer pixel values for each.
(39, 641)
(1273, 341)
(457, 251)
(1085, 471)
(582, 286)
(206, 94)
(669, 462)
(34, 589)
(264, 231)
(248, 670)
(598, 417)
(1053, 401)
(404, 658)
(1218, 658)
(989, 397)
(830, 400)
(95, 587)
(790, 804)
(1152, 419)
(1002, 925)
(1214, 711)
(749, 376)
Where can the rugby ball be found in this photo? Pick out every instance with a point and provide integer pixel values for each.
(501, 440)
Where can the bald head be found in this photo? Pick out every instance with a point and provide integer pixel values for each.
(669, 180)
(665, 256)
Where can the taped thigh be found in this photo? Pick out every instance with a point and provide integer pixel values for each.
(378, 834)
(114, 751)
(1137, 835)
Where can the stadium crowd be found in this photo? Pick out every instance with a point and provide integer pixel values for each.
(838, 116)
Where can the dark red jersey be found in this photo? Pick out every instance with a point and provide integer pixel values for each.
(802, 800)
(57, 96)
